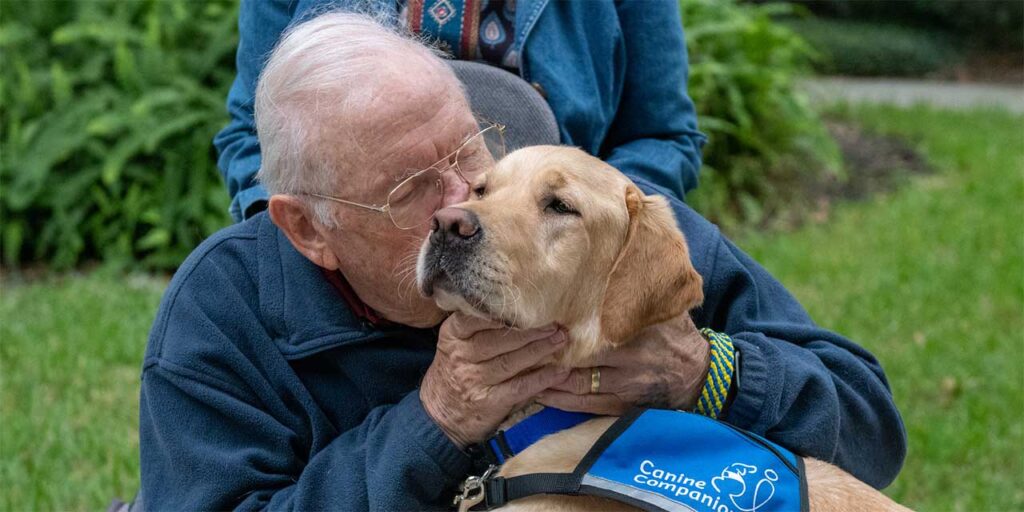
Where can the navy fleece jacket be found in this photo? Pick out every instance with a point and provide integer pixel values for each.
(261, 389)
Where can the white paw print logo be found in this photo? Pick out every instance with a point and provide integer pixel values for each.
(746, 498)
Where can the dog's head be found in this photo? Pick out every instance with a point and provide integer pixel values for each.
(553, 235)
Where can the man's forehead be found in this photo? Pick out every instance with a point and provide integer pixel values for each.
(422, 146)
(404, 95)
(401, 124)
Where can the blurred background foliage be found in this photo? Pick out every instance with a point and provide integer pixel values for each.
(853, 47)
(109, 109)
(907, 37)
(991, 24)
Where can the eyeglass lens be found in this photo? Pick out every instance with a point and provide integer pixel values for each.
(414, 201)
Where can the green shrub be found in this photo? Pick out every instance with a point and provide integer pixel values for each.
(764, 136)
(875, 49)
(109, 109)
(994, 24)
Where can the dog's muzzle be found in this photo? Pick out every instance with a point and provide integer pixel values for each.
(450, 250)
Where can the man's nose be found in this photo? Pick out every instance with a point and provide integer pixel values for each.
(455, 225)
(456, 190)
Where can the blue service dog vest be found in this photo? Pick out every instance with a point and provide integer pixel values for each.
(673, 461)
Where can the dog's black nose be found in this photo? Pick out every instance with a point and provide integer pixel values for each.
(455, 225)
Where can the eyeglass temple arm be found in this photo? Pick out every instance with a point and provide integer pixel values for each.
(381, 209)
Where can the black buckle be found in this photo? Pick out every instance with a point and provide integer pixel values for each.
(495, 492)
(484, 454)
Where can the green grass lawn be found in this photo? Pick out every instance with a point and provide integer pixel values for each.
(929, 278)
(70, 354)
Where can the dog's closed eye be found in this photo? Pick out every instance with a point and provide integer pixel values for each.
(559, 207)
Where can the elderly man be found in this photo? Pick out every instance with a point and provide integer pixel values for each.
(291, 365)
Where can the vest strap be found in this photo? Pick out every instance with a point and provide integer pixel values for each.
(500, 490)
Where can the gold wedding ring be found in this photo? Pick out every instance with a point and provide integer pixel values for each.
(595, 379)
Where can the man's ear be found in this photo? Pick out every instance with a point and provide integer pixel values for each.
(653, 279)
(295, 220)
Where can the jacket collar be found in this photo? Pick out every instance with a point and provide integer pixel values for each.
(356, 305)
(527, 12)
(301, 310)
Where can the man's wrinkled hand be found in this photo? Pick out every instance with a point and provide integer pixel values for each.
(664, 367)
(482, 371)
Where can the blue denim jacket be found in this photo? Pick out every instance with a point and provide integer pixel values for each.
(614, 73)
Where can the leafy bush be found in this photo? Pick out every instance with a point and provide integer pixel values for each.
(108, 113)
(994, 24)
(875, 49)
(764, 136)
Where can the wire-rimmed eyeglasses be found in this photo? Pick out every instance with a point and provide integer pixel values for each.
(415, 199)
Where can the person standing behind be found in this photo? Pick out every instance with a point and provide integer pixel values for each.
(613, 73)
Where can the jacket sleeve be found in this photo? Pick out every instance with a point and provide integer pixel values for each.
(654, 134)
(222, 422)
(207, 448)
(260, 25)
(802, 386)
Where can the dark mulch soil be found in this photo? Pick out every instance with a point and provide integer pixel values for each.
(874, 164)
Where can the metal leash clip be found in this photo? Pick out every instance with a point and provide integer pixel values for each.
(471, 490)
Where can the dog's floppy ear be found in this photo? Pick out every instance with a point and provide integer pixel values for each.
(653, 279)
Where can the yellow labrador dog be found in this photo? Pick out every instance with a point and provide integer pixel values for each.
(570, 240)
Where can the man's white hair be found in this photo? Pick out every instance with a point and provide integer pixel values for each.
(314, 66)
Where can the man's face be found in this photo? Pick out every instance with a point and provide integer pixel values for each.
(401, 133)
